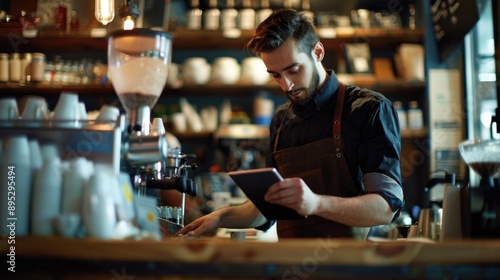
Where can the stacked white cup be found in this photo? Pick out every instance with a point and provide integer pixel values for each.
(9, 113)
(67, 111)
(15, 185)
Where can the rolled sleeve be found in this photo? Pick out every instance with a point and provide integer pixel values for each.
(386, 187)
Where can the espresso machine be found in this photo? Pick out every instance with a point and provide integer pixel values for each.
(138, 61)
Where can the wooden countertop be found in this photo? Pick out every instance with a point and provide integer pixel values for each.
(340, 251)
(229, 257)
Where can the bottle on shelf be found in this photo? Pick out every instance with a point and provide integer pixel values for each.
(247, 16)
(287, 4)
(211, 17)
(402, 116)
(4, 67)
(229, 16)
(37, 67)
(263, 12)
(74, 23)
(60, 17)
(306, 9)
(194, 16)
(15, 68)
(415, 116)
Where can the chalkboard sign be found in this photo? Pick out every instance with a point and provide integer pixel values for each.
(452, 20)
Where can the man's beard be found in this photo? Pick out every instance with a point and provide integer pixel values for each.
(312, 91)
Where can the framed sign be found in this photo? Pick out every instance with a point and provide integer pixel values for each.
(452, 20)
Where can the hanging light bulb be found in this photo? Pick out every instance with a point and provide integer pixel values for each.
(104, 11)
(128, 12)
(128, 23)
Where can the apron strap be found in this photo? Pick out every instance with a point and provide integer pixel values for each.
(337, 121)
(275, 148)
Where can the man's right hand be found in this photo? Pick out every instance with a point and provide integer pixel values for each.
(206, 225)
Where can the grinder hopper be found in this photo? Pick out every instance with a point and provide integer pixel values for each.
(482, 156)
(138, 61)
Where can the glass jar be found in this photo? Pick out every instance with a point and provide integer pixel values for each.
(4, 67)
(194, 16)
(37, 68)
(15, 68)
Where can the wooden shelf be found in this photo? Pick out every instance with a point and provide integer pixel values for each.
(396, 86)
(414, 133)
(56, 41)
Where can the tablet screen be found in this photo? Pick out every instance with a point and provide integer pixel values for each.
(254, 183)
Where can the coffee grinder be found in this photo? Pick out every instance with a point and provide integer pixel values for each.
(483, 157)
(138, 62)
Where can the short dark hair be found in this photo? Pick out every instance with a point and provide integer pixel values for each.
(280, 26)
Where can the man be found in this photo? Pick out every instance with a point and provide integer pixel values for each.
(338, 147)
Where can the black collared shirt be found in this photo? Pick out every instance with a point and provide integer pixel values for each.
(370, 131)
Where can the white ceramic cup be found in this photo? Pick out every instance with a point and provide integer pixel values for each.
(107, 114)
(35, 112)
(179, 122)
(98, 209)
(67, 111)
(46, 198)
(36, 158)
(254, 71)
(15, 172)
(83, 111)
(73, 181)
(49, 151)
(9, 112)
(66, 225)
(157, 126)
(196, 71)
(225, 70)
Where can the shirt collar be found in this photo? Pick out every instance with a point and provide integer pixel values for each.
(327, 91)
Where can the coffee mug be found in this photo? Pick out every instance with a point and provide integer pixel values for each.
(225, 70)
(67, 111)
(196, 71)
(254, 71)
(8, 111)
(107, 114)
(35, 112)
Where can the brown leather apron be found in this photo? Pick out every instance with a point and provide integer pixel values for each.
(322, 166)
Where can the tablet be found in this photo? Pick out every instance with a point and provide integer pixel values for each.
(254, 183)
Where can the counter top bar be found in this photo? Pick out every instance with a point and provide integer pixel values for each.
(212, 257)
